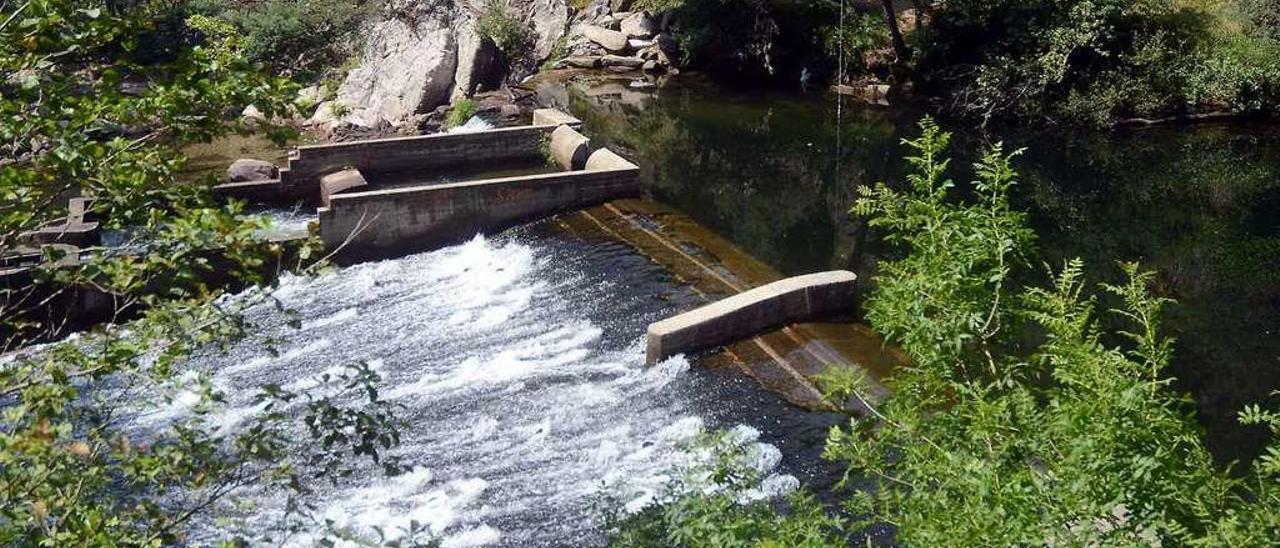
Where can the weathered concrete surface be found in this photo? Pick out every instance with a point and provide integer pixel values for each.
(605, 159)
(387, 222)
(553, 117)
(307, 164)
(341, 181)
(824, 295)
(569, 148)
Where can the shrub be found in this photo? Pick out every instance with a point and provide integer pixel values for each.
(499, 22)
(1095, 61)
(462, 111)
(294, 37)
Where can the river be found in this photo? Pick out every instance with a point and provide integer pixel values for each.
(776, 174)
(520, 362)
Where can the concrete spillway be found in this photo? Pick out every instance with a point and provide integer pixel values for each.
(366, 209)
(821, 296)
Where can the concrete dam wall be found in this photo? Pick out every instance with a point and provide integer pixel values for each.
(379, 222)
(821, 296)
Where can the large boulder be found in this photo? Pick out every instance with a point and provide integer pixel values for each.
(406, 68)
(248, 169)
(478, 66)
(639, 25)
(610, 40)
(550, 19)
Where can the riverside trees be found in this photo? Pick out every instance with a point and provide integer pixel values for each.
(95, 101)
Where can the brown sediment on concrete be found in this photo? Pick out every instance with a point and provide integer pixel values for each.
(299, 179)
(786, 361)
(810, 297)
(569, 148)
(390, 221)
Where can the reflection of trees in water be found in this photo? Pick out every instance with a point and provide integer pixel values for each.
(752, 171)
(1201, 206)
(1185, 203)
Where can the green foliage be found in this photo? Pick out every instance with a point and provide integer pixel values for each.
(988, 439)
(1096, 61)
(709, 504)
(462, 111)
(499, 22)
(659, 6)
(852, 39)
(86, 110)
(294, 37)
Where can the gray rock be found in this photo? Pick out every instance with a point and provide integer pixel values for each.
(639, 25)
(651, 66)
(620, 61)
(619, 5)
(477, 62)
(638, 44)
(248, 169)
(550, 19)
(582, 62)
(405, 69)
(610, 40)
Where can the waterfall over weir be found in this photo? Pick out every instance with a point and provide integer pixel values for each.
(520, 362)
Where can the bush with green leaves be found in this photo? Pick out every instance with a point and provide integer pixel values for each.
(499, 22)
(300, 38)
(86, 110)
(462, 111)
(1096, 61)
(1019, 420)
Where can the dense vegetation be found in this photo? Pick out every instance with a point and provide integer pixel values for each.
(1077, 61)
(90, 106)
(1020, 421)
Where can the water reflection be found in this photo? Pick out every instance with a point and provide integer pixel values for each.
(776, 174)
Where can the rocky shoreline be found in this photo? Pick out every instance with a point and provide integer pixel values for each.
(417, 64)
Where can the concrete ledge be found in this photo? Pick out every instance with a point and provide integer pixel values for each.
(825, 295)
(383, 223)
(553, 117)
(569, 148)
(605, 159)
(335, 183)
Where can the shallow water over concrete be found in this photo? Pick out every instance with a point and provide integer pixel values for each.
(520, 362)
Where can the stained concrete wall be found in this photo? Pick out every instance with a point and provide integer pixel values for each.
(387, 222)
(307, 164)
(825, 295)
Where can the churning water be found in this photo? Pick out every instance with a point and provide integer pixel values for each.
(520, 362)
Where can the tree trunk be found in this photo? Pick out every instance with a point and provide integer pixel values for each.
(899, 45)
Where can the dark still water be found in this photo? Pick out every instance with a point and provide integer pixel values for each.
(776, 174)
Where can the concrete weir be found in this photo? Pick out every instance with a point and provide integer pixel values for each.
(367, 209)
(825, 295)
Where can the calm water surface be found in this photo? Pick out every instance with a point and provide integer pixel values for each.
(777, 173)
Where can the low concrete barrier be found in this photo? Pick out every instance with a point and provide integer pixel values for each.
(300, 180)
(340, 181)
(569, 148)
(825, 295)
(386, 222)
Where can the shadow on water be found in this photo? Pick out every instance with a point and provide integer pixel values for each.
(776, 175)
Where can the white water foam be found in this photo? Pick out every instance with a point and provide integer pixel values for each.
(521, 372)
